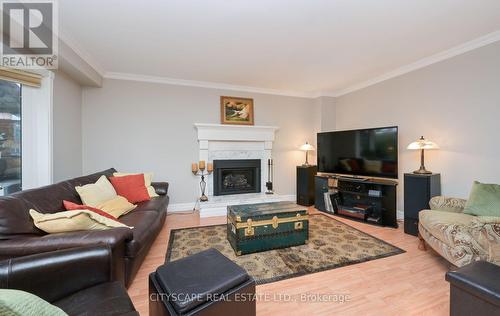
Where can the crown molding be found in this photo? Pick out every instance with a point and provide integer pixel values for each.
(80, 51)
(447, 54)
(424, 62)
(205, 84)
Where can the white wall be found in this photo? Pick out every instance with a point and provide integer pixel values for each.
(67, 128)
(140, 126)
(328, 114)
(455, 103)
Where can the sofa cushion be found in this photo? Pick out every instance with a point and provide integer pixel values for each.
(48, 199)
(14, 216)
(144, 224)
(91, 178)
(484, 200)
(442, 224)
(104, 299)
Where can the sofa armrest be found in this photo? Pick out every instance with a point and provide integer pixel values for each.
(57, 274)
(447, 204)
(161, 188)
(488, 235)
(22, 246)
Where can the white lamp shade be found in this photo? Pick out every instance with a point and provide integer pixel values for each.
(422, 143)
(307, 147)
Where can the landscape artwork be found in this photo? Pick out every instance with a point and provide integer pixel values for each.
(236, 110)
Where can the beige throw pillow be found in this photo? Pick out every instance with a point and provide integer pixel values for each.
(116, 206)
(96, 193)
(69, 221)
(148, 178)
(373, 166)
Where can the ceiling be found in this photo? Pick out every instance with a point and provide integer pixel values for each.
(305, 46)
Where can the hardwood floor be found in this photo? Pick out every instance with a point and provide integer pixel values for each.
(407, 284)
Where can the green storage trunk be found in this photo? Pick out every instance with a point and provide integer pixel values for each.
(266, 226)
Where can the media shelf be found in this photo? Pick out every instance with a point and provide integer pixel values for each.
(368, 200)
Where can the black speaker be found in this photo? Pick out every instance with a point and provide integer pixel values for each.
(419, 189)
(320, 188)
(305, 184)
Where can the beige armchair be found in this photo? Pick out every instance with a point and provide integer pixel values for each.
(460, 238)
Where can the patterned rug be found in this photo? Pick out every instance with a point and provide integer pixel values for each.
(332, 244)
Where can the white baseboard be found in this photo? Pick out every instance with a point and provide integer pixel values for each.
(400, 215)
(179, 207)
(218, 206)
(213, 211)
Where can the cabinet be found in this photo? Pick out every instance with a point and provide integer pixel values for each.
(368, 200)
(419, 189)
(305, 185)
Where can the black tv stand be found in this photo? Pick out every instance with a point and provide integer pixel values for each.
(354, 179)
(369, 200)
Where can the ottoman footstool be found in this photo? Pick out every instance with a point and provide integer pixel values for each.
(206, 283)
(475, 289)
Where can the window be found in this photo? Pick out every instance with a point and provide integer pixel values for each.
(10, 137)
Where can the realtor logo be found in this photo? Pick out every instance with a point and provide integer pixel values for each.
(29, 38)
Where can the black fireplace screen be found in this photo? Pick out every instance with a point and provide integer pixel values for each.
(236, 176)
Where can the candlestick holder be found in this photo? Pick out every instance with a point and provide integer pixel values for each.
(203, 184)
(270, 176)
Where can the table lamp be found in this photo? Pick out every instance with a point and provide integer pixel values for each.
(422, 144)
(307, 148)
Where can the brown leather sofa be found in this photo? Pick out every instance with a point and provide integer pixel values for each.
(77, 280)
(19, 237)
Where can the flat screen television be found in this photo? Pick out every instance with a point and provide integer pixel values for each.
(369, 152)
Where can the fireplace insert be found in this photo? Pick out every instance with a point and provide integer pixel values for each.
(236, 176)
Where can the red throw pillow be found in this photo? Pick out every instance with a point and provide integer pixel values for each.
(131, 187)
(388, 167)
(354, 165)
(70, 206)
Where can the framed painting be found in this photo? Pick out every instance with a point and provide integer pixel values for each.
(236, 110)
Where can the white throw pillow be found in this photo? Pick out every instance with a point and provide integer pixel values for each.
(70, 221)
(96, 193)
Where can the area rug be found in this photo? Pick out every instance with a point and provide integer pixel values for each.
(332, 244)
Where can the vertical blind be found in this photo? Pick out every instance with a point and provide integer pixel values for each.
(20, 76)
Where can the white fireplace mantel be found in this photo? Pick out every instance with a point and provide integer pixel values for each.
(242, 133)
(217, 141)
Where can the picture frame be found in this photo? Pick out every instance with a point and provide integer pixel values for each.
(236, 110)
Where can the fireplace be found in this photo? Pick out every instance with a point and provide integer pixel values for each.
(236, 176)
